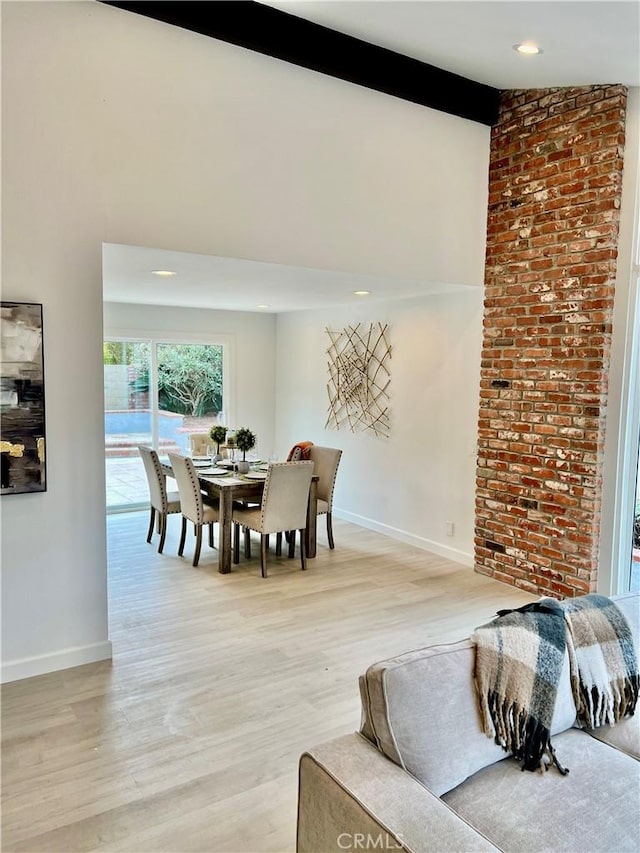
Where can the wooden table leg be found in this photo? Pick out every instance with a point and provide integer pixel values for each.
(312, 520)
(224, 546)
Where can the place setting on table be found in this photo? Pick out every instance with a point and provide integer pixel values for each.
(228, 468)
(204, 466)
(233, 469)
(224, 472)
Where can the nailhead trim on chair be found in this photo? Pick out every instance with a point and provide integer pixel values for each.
(264, 497)
(167, 507)
(199, 521)
(196, 485)
(260, 525)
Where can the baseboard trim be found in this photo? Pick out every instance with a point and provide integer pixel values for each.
(408, 538)
(28, 667)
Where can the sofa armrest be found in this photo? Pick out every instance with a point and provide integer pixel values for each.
(351, 797)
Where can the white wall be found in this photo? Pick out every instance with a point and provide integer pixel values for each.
(251, 345)
(409, 485)
(119, 129)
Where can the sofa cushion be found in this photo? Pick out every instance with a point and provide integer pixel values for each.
(594, 807)
(421, 710)
(625, 735)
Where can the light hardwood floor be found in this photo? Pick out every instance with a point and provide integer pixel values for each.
(189, 739)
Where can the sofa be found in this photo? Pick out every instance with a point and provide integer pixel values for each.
(421, 775)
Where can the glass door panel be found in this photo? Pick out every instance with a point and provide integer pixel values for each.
(127, 420)
(159, 394)
(189, 392)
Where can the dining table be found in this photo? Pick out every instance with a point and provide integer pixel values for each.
(232, 486)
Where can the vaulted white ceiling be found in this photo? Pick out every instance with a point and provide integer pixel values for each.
(582, 43)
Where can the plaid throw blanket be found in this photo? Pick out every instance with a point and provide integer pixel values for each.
(519, 659)
(602, 661)
(299, 451)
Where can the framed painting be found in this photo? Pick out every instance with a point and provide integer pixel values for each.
(22, 415)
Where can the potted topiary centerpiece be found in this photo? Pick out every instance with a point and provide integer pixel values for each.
(245, 441)
(218, 434)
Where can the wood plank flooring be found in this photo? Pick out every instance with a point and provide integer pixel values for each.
(189, 740)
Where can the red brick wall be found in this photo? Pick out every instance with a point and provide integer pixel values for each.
(554, 200)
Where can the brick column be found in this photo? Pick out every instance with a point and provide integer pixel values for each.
(554, 199)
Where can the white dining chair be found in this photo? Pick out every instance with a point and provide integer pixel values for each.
(326, 461)
(161, 502)
(194, 506)
(200, 443)
(283, 508)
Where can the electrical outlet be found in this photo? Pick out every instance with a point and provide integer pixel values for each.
(448, 525)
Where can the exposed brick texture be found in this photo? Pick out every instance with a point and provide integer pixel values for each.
(552, 234)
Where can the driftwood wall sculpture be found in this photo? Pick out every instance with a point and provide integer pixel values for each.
(359, 378)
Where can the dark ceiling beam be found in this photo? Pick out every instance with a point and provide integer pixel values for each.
(275, 33)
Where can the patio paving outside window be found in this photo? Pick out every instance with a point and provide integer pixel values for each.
(126, 483)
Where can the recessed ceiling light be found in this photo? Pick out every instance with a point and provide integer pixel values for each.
(163, 272)
(263, 306)
(527, 48)
(361, 292)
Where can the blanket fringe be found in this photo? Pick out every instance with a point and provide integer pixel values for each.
(599, 707)
(551, 753)
(519, 733)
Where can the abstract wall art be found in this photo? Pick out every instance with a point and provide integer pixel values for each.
(359, 379)
(22, 416)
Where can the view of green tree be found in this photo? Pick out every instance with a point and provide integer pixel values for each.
(125, 352)
(111, 352)
(189, 375)
(190, 378)
(138, 356)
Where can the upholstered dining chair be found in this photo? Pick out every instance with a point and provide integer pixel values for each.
(326, 461)
(161, 502)
(283, 508)
(199, 442)
(192, 503)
